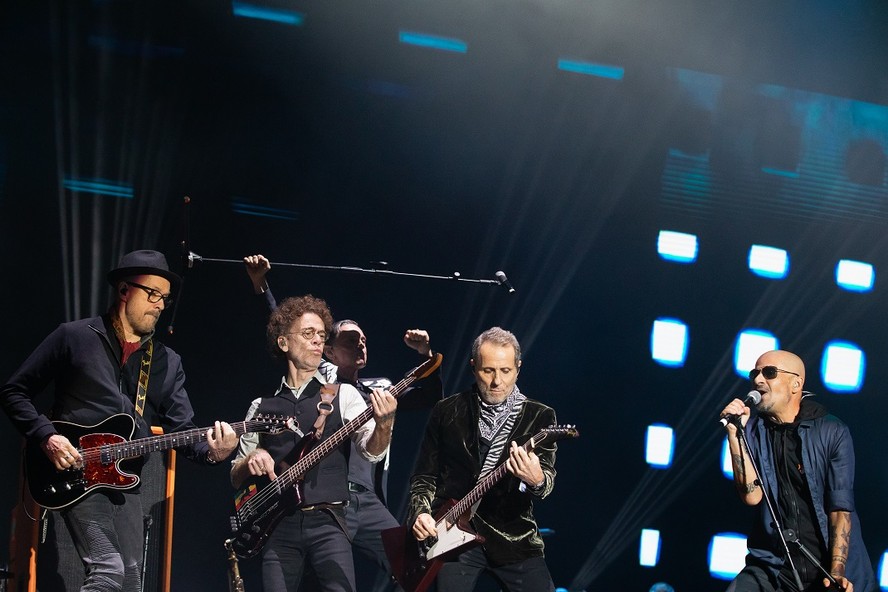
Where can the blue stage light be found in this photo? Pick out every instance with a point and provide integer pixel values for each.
(98, 187)
(677, 246)
(659, 446)
(649, 547)
(240, 206)
(267, 13)
(727, 555)
(669, 342)
(591, 69)
(752, 343)
(843, 367)
(769, 262)
(855, 276)
(727, 467)
(883, 571)
(433, 41)
(781, 172)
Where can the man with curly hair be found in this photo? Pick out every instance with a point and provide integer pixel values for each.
(316, 533)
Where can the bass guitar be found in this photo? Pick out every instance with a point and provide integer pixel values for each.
(259, 510)
(415, 564)
(104, 449)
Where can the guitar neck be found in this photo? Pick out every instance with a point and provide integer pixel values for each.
(483, 486)
(297, 471)
(143, 446)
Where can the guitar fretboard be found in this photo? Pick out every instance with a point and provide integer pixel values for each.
(298, 470)
(143, 446)
(491, 478)
(291, 476)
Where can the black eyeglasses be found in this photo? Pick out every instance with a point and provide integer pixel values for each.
(309, 333)
(153, 295)
(769, 372)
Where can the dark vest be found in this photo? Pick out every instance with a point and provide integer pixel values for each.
(326, 481)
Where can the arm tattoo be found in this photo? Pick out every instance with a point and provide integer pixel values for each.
(740, 475)
(840, 540)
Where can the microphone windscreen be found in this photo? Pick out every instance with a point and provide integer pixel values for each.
(753, 398)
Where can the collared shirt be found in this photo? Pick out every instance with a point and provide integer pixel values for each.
(351, 404)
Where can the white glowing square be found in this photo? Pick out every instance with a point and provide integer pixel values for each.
(649, 547)
(750, 345)
(669, 342)
(855, 276)
(769, 262)
(843, 368)
(727, 555)
(659, 445)
(677, 246)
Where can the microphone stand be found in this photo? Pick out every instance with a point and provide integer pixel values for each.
(787, 535)
(193, 258)
(775, 520)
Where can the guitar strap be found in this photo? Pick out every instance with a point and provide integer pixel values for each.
(325, 407)
(144, 374)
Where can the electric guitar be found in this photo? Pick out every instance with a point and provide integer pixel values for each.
(415, 564)
(258, 511)
(104, 449)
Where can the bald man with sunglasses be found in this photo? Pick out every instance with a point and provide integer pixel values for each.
(806, 457)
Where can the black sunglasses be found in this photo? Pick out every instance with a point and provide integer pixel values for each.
(769, 372)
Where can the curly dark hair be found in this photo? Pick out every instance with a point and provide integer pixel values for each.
(286, 314)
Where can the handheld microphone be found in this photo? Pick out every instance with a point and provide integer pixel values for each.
(504, 281)
(752, 399)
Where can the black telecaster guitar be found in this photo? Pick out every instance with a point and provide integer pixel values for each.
(259, 510)
(416, 563)
(103, 447)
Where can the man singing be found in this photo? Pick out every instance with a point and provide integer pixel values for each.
(806, 457)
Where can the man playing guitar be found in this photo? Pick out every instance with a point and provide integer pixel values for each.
(102, 367)
(316, 531)
(468, 435)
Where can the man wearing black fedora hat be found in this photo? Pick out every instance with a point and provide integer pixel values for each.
(102, 367)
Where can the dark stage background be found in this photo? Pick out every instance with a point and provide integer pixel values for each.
(321, 138)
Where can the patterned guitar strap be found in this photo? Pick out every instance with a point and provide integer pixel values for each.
(328, 394)
(144, 373)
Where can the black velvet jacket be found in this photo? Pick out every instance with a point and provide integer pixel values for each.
(449, 464)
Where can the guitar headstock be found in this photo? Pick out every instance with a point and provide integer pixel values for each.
(554, 433)
(426, 368)
(273, 424)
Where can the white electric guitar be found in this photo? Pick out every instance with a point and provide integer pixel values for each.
(416, 563)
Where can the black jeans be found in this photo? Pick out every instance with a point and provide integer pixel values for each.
(756, 578)
(108, 533)
(530, 575)
(314, 537)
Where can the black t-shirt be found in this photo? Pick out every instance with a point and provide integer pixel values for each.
(795, 507)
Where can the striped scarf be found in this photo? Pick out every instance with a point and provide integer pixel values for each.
(495, 423)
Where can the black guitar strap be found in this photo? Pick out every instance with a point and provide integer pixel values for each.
(144, 374)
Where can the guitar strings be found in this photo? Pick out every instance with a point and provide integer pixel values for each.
(288, 477)
(123, 450)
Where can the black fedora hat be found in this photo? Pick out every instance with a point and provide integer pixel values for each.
(143, 262)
